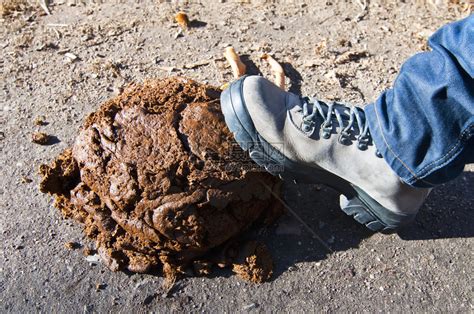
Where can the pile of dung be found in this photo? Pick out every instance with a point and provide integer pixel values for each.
(157, 180)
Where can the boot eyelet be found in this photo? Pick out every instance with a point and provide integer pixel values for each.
(326, 129)
(362, 146)
(344, 138)
(307, 127)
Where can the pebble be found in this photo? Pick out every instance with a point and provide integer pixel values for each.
(149, 299)
(70, 57)
(250, 306)
(93, 259)
(292, 268)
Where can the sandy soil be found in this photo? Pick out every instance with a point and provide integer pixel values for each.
(64, 65)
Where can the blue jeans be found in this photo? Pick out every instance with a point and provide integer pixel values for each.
(423, 127)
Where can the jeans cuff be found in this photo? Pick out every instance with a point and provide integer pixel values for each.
(391, 158)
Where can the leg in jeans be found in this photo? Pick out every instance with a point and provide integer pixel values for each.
(423, 127)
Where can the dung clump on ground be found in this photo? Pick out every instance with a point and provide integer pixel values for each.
(254, 262)
(156, 179)
(40, 138)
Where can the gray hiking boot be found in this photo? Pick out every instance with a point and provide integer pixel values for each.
(309, 141)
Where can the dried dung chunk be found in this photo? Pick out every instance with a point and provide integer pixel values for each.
(40, 138)
(72, 245)
(40, 121)
(254, 263)
(156, 179)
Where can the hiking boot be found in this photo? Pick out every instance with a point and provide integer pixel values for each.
(310, 141)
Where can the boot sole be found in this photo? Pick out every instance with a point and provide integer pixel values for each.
(358, 204)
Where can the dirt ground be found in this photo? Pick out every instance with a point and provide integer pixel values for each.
(58, 68)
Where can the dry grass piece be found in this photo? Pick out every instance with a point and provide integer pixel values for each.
(351, 56)
(196, 64)
(238, 68)
(278, 72)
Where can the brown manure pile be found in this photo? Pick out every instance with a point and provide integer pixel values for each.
(156, 179)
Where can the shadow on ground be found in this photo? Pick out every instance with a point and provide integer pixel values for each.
(251, 67)
(447, 213)
(295, 77)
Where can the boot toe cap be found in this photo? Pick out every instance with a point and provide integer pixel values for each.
(260, 94)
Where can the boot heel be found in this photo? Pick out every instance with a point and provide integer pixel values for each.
(355, 208)
(370, 213)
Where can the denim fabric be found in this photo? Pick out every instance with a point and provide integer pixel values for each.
(423, 126)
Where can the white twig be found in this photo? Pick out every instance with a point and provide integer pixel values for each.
(56, 25)
(58, 34)
(44, 5)
(364, 4)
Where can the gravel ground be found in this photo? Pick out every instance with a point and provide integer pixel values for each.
(64, 65)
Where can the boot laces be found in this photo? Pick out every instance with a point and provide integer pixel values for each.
(356, 120)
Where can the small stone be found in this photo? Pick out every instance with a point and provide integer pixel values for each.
(278, 27)
(178, 34)
(93, 259)
(292, 268)
(70, 57)
(87, 37)
(351, 272)
(149, 299)
(250, 306)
